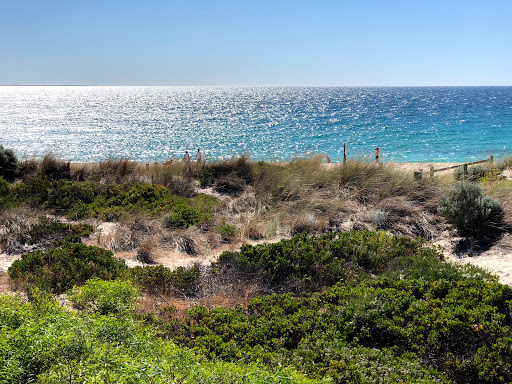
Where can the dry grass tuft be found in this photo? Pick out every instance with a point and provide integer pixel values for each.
(186, 245)
(144, 252)
(15, 224)
(54, 168)
(305, 223)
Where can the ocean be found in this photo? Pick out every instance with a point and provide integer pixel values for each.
(147, 124)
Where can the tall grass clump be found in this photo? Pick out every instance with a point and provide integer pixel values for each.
(117, 170)
(472, 213)
(54, 168)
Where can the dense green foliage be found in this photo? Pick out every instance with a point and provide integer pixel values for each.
(412, 330)
(59, 269)
(311, 262)
(375, 309)
(466, 207)
(8, 163)
(111, 201)
(41, 342)
(105, 297)
(5, 194)
(161, 280)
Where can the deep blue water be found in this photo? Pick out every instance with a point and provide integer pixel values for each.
(449, 124)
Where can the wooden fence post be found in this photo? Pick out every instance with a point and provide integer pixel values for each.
(345, 153)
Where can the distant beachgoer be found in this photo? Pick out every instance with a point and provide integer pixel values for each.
(328, 159)
(377, 154)
(186, 158)
(198, 155)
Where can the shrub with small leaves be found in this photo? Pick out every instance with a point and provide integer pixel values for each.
(474, 173)
(105, 297)
(57, 270)
(5, 194)
(466, 207)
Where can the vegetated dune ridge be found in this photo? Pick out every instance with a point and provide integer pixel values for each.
(338, 300)
(496, 258)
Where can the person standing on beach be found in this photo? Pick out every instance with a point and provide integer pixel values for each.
(376, 154)
(186, 158)
(198, 155)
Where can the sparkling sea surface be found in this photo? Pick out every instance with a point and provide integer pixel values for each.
(409, 124)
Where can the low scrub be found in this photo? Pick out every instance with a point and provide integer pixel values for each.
(381, 331)
(472, 213)
(44, 343)
(5, 194)
(161, 280)
(112, 201)
(313, 262)
(105, 297)
(59, 269)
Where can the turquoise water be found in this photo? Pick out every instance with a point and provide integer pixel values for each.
(449, 124)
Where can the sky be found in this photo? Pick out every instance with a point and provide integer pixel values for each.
(256, 42)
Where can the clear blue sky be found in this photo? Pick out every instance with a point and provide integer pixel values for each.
(260, 42)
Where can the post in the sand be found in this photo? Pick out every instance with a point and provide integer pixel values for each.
(344, 153)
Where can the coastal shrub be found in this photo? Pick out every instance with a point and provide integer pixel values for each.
(205, 177)
(311, 262)
(161, 280)
(8, 163)
(112, 201)
(184, 216)
(469, 210)
(227, 232)
(375, 331)
(105, 297)
(47, 229)
(5, 194)
(475, 173)
(22, 233)
(59, 269)
(46, 343)
(431, 269)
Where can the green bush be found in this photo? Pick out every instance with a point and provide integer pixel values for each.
(5, 194)
(311, 262)
(59, 269)
(227, 232)
(111, 201)
(105, 297)
(206, 177)
(475, 173)
(8, 163)
(380, 331)
(469, 210)
(183, 216)
(56, 230)
(161, 280)
(45, 343)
